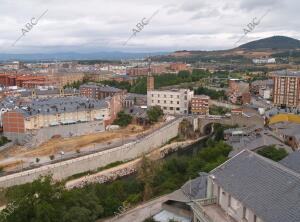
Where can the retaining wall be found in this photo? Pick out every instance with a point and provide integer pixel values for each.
(33, 138)
(91, 162)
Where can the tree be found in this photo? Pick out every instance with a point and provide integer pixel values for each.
(78, 214)
(123, 119)
(146, 174)
(46, 200)
(154, 113)
(151, 219)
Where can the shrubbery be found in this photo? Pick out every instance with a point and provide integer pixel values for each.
(123, 119)
(272, 153)
(46, 200)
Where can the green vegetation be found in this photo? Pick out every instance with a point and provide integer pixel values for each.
(76, 84)
(116, 84)
(213, 94)
(273, 153)
(140, 86)
(123, 119)
(154, 113)
(274, 42)
(108, 166)
(46, 200)
(150, 220)
(218, 110)
(186, 130)
(3, 140)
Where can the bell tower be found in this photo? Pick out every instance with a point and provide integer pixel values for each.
(150, 77)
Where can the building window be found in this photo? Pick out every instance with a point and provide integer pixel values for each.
(255, 218)
(158, 101)
(177, 102)
(171, 108)
(165, 101)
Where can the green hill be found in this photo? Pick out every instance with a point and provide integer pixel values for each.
(275, 42)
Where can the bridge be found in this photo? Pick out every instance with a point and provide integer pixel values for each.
(205, 124)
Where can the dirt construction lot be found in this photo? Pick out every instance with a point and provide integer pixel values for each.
(56, 145)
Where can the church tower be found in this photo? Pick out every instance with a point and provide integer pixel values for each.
(150, 78)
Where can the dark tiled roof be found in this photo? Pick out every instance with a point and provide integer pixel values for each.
(60, 105)
(196, 188)
(292, 161)
(103, 88)
(269, 189)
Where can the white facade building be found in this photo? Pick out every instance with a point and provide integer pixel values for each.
(174, 101)
(264, 61)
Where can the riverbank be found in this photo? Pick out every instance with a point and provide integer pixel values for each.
(130, 167)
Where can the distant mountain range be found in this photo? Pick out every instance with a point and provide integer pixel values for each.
(273, 46)
(276, 46)
(77, 56)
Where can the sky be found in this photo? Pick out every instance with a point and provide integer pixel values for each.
(169, 25)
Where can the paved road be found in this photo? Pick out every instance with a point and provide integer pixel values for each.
(141, 212)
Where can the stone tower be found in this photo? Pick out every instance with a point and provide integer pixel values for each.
(150, 78)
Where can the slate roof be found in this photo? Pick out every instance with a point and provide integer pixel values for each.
(8, 103)
(292, 161)
(269, 189)
(192, 190)
(60, 105)
(196, 188)
(254, 142)
(49, 92)
(102, 88)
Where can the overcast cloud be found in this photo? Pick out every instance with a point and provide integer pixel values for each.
(105, 25)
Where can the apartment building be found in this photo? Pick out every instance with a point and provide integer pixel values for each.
(178, 66)
(264, 88)
(22, 80)
(239, 91)
(172, 102)
(137, 71)
(286, 89)
(40, 114)
(200, 105)
(115, 96)
(249, 188)
(264, 61)
(47, 93)
(99, 91)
